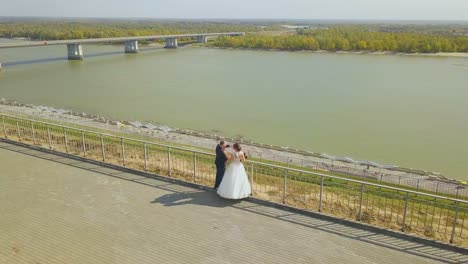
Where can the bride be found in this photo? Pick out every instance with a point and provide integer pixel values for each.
(235, 184)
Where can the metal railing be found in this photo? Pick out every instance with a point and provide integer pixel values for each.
(394, 177)
(433, 216)
(398, 177)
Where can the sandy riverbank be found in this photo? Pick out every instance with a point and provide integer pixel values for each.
(363, 52)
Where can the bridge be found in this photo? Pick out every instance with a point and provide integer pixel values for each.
(75, 46)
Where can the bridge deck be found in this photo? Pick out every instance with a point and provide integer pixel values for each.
(107, 40)
(59, 210)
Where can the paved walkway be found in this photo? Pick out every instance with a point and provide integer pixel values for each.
(59, 210)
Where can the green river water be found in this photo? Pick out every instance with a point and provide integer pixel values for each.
(407, 111)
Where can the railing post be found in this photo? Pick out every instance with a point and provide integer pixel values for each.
(403, 225)
(251, 178)
(66, 140)
(146, 157)
(284, 186)
(33, 133)
(102, 148)
(4, 127)
(321, 194)
(48, 136)
(361, 196)
(83, 143)
(194, 166)
(454, 222)
(123, 151)
(18, 131)
(168, 161)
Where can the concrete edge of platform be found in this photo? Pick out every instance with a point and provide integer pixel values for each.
(315, 214)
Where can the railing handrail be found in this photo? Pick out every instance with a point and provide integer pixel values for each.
(253, 162)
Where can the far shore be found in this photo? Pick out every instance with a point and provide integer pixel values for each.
(362, 52)
(359, 52)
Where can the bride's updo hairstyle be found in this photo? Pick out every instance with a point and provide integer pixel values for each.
(237, 147)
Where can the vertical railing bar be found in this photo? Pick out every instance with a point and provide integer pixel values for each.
(146, 157)
(454, 222)
(4, 127)
(361, 196)
(103, 152)
(194, 166)
(462, 224)
(251, 179)
(321, 194)
(169, 161)
(83, 143)
(385, 207)
(425, 216)
(33, 133)
(440, 218)
(66, 140)
(412, 212)
(447, 222)
(48, 136)
(18, 131)
(284, 185)
(123, 151)
(433, 212)
(403, 225)
(331, 192)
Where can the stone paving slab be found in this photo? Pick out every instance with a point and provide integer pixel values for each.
(60, 210)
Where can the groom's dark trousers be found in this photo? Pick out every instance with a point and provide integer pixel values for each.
(220, 165)
(220, 169)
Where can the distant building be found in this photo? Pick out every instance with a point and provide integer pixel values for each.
(295, 27)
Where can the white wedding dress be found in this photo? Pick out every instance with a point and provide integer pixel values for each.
(235, 183)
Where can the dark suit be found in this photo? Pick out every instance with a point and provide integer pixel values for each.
(220, 162)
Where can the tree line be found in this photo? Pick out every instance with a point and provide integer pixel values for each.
(350, 39)
(397, 38)
(56, 30)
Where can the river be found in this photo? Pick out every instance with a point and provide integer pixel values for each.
(407, 111)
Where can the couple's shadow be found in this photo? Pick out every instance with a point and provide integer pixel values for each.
(194, 198)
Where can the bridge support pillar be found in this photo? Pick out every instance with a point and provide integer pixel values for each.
(202, 39)
(131, 46)
(75, 51)
(171, 43)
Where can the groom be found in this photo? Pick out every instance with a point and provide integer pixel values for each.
(220, 162)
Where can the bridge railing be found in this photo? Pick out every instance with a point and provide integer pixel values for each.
(433, 216)
(113, 39)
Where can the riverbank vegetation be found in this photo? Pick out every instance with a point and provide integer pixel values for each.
(81, 30)
(350, 39)
(371, 37)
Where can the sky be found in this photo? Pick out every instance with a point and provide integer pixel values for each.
(262, 9)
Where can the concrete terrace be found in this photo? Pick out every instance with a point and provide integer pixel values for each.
(55, 209)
